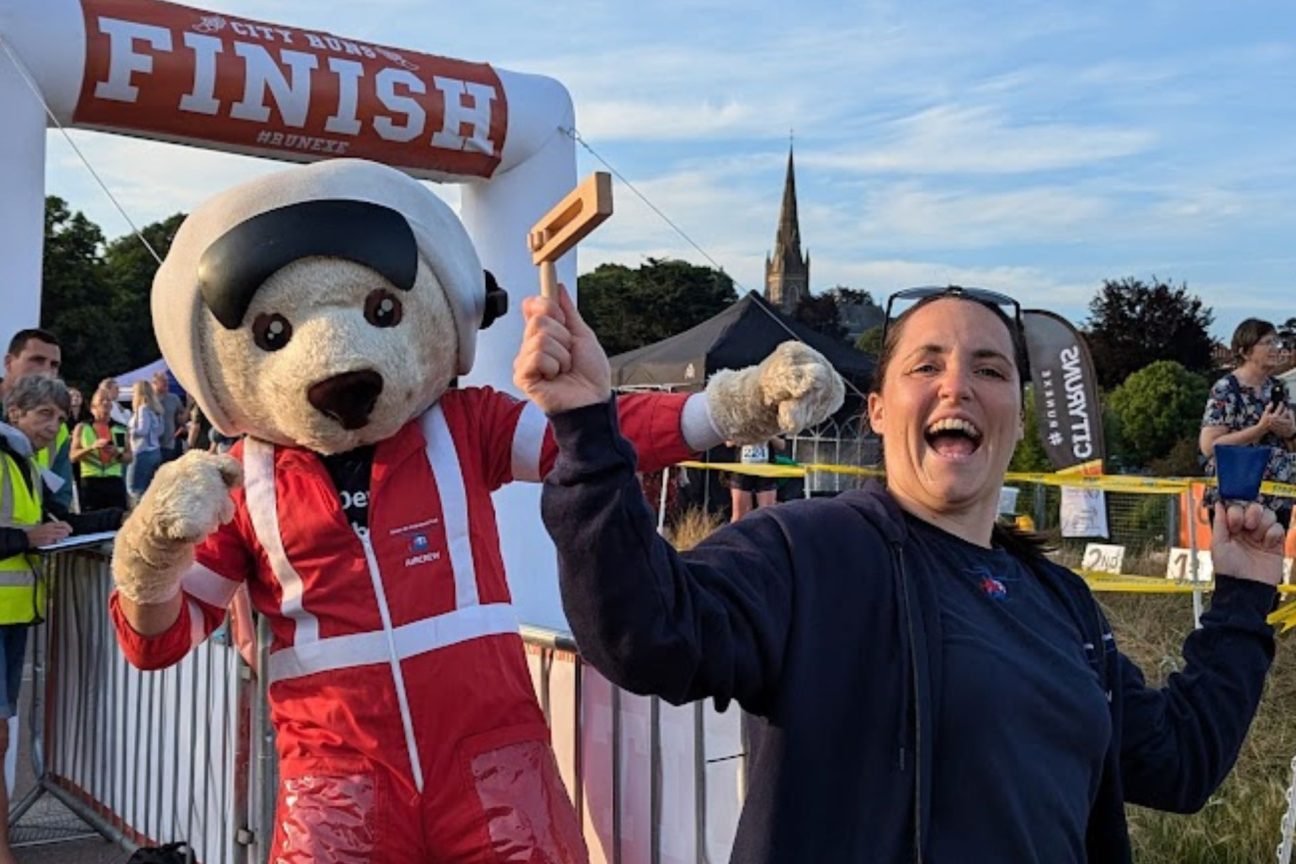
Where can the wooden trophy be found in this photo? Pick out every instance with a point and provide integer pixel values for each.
(576, 215)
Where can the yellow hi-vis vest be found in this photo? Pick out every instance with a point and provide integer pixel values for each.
(91, 466)
(45, 456)
(22, 592)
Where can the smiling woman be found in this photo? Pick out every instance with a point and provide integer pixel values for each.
(887, 639)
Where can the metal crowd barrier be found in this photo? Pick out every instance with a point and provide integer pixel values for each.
(141, 757)
(653, 782)
(187, 753)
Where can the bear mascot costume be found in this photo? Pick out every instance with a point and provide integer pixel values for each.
(324, 313)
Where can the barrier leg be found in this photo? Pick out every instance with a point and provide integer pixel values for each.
(661, 504)
(617, 798)
(1192, 565)
(699, 782)
(34, 717)
(11, 757)
(1288, 820)
(655, 779)
(265, 785)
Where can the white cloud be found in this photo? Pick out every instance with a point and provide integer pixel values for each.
(955, 139)
(648, 121)
(1031, 286)
(912, 215)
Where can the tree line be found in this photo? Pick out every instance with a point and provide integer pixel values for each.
(1150, 340)
(95, 293)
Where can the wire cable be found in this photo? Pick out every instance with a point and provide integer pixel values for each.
(49, 112)
(576, 136)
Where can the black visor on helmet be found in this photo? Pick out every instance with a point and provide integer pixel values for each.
(240, 260)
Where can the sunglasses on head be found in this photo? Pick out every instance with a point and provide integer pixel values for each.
(979, 295)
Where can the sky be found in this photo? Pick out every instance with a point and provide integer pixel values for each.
(1035, 148)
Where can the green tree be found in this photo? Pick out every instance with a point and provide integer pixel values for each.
(74, 295)
(1154, 410)
(1287, 333)
(1133, 324)
(662, 297)
(856, 310)
(819, 313)
(129, 267)
(1030, 454)
(95, 295)
(870, 341)
(845, 295)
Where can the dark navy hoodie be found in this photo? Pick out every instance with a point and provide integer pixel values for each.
(817, 617)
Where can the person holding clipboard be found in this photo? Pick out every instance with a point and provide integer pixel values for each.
(30, 518)
(101, 447)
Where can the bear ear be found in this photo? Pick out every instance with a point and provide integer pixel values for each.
(496, 301)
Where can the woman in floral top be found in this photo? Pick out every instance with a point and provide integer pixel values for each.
(1240, 410)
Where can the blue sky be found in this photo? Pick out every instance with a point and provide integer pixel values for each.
(1036, 148)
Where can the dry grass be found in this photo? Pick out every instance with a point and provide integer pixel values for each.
(1240, 823)
(692, 527)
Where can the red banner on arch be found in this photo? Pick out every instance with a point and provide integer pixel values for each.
(165, 71)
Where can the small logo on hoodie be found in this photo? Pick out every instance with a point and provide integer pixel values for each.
(993, 588)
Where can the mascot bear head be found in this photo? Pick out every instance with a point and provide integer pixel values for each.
(322, 306)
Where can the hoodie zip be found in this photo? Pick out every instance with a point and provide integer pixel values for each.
(903, 576)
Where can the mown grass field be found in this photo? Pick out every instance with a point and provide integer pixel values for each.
(1241, 821)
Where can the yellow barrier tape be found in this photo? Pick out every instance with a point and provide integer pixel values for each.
(1284, 617)
(765, 470)
(1282, 490)
(1099, 581)
(1107, 482)
(846, 469)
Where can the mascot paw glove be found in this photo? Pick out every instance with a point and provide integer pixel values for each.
(794, 387)
(187, 500)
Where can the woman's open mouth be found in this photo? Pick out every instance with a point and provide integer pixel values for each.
(953, 438)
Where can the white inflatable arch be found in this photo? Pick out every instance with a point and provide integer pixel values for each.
(172, 73)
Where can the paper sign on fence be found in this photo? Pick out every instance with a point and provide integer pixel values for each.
(1084, 512)
(1103, 558)
(1178, 565)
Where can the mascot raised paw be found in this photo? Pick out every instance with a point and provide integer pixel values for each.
(324, 313)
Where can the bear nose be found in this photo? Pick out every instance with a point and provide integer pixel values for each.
(348, 398)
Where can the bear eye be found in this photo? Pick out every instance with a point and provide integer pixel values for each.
(383, 309)
(271, 331)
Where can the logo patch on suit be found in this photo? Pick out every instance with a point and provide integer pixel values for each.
(420, 553)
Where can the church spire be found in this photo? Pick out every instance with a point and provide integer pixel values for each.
(787, 271)
(788, 239)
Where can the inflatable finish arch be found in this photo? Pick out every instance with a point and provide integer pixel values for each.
(173, 73)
